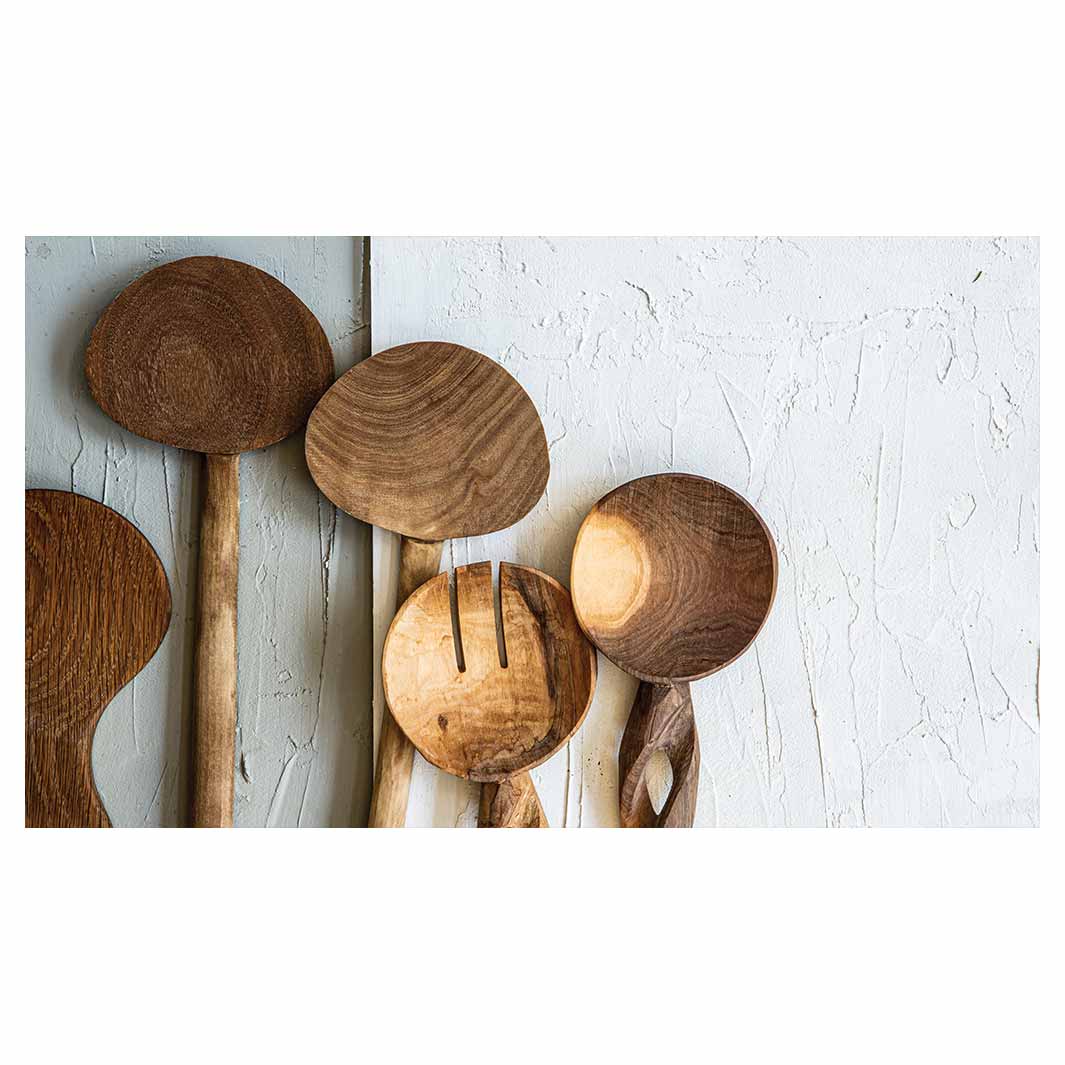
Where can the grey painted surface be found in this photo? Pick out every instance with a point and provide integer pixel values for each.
(878, 401)
(303, 691)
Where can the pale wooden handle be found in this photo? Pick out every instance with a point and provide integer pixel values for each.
(215, 685)
(661, 720)
(511, 803)
(419, 561)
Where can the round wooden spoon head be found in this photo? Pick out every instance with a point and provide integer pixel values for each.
(672, 576)
(429, 440)
(97, 607)
(208, 354)
(483, 720)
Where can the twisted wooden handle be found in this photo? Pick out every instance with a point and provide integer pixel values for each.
(512, 803)
(419, 561)
(661, 720)
(215, 686)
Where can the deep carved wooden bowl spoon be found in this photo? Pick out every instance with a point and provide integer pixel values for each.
(97, 607)
(214, 356)
(672, 578)
(432, 441)
(485, 706)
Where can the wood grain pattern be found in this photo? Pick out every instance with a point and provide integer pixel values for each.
(661, 719)
(97, 608)
(419, 561)
(673, 576)
(210, 355)
(214, 716)
(511, 803)
(429, 440)
(464, 709)
(216, 356)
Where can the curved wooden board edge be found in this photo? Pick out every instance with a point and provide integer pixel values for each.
(97, 608)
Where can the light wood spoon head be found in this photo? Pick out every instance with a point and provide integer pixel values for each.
(208, 354)
(97, 607)
(672, 576)
(485, 721)
(430, 440)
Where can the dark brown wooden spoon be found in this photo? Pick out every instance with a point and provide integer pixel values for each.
(97, 607)
(672, 578)
(484, 709)
(431, 441)
(219, 357)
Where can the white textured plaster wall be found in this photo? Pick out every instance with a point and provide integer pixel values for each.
(877, 400)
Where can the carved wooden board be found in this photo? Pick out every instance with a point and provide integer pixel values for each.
(97, 607)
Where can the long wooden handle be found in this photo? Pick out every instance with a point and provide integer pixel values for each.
(419, 561)
(215, 685)
(661, 720)
(512, 803)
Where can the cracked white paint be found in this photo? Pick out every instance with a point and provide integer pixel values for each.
(303, 747)
(877, 400)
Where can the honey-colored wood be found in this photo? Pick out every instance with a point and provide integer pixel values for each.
(97, 608)
(214, 356)
(419, 561)
(215, 686)
(672, 576)
(431, 441)
(467, 712)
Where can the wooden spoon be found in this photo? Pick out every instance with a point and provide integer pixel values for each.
(431, 441)
(214, 356)
(672, 577)
(485, 707)
(97, 607)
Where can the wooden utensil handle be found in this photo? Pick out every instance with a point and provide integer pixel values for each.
(419, 561)
(215, 686)
(511, 803)
(661, 719)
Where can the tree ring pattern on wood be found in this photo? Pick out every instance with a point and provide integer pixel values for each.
(208, 354)
(429, 440)
(488, 722)
(673, 576)
(97, 607)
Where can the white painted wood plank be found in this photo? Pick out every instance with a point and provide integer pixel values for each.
(877, 400)
(303, 624)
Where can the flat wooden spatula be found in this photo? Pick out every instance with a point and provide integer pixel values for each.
(486, 703)
(672, 578)
(431, 441)
(97, 607)
(214, 356)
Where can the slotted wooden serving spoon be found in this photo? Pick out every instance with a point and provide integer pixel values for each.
(431, 441)
(97, 607)
(672, 577)
(215, 356)
(482, 708)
